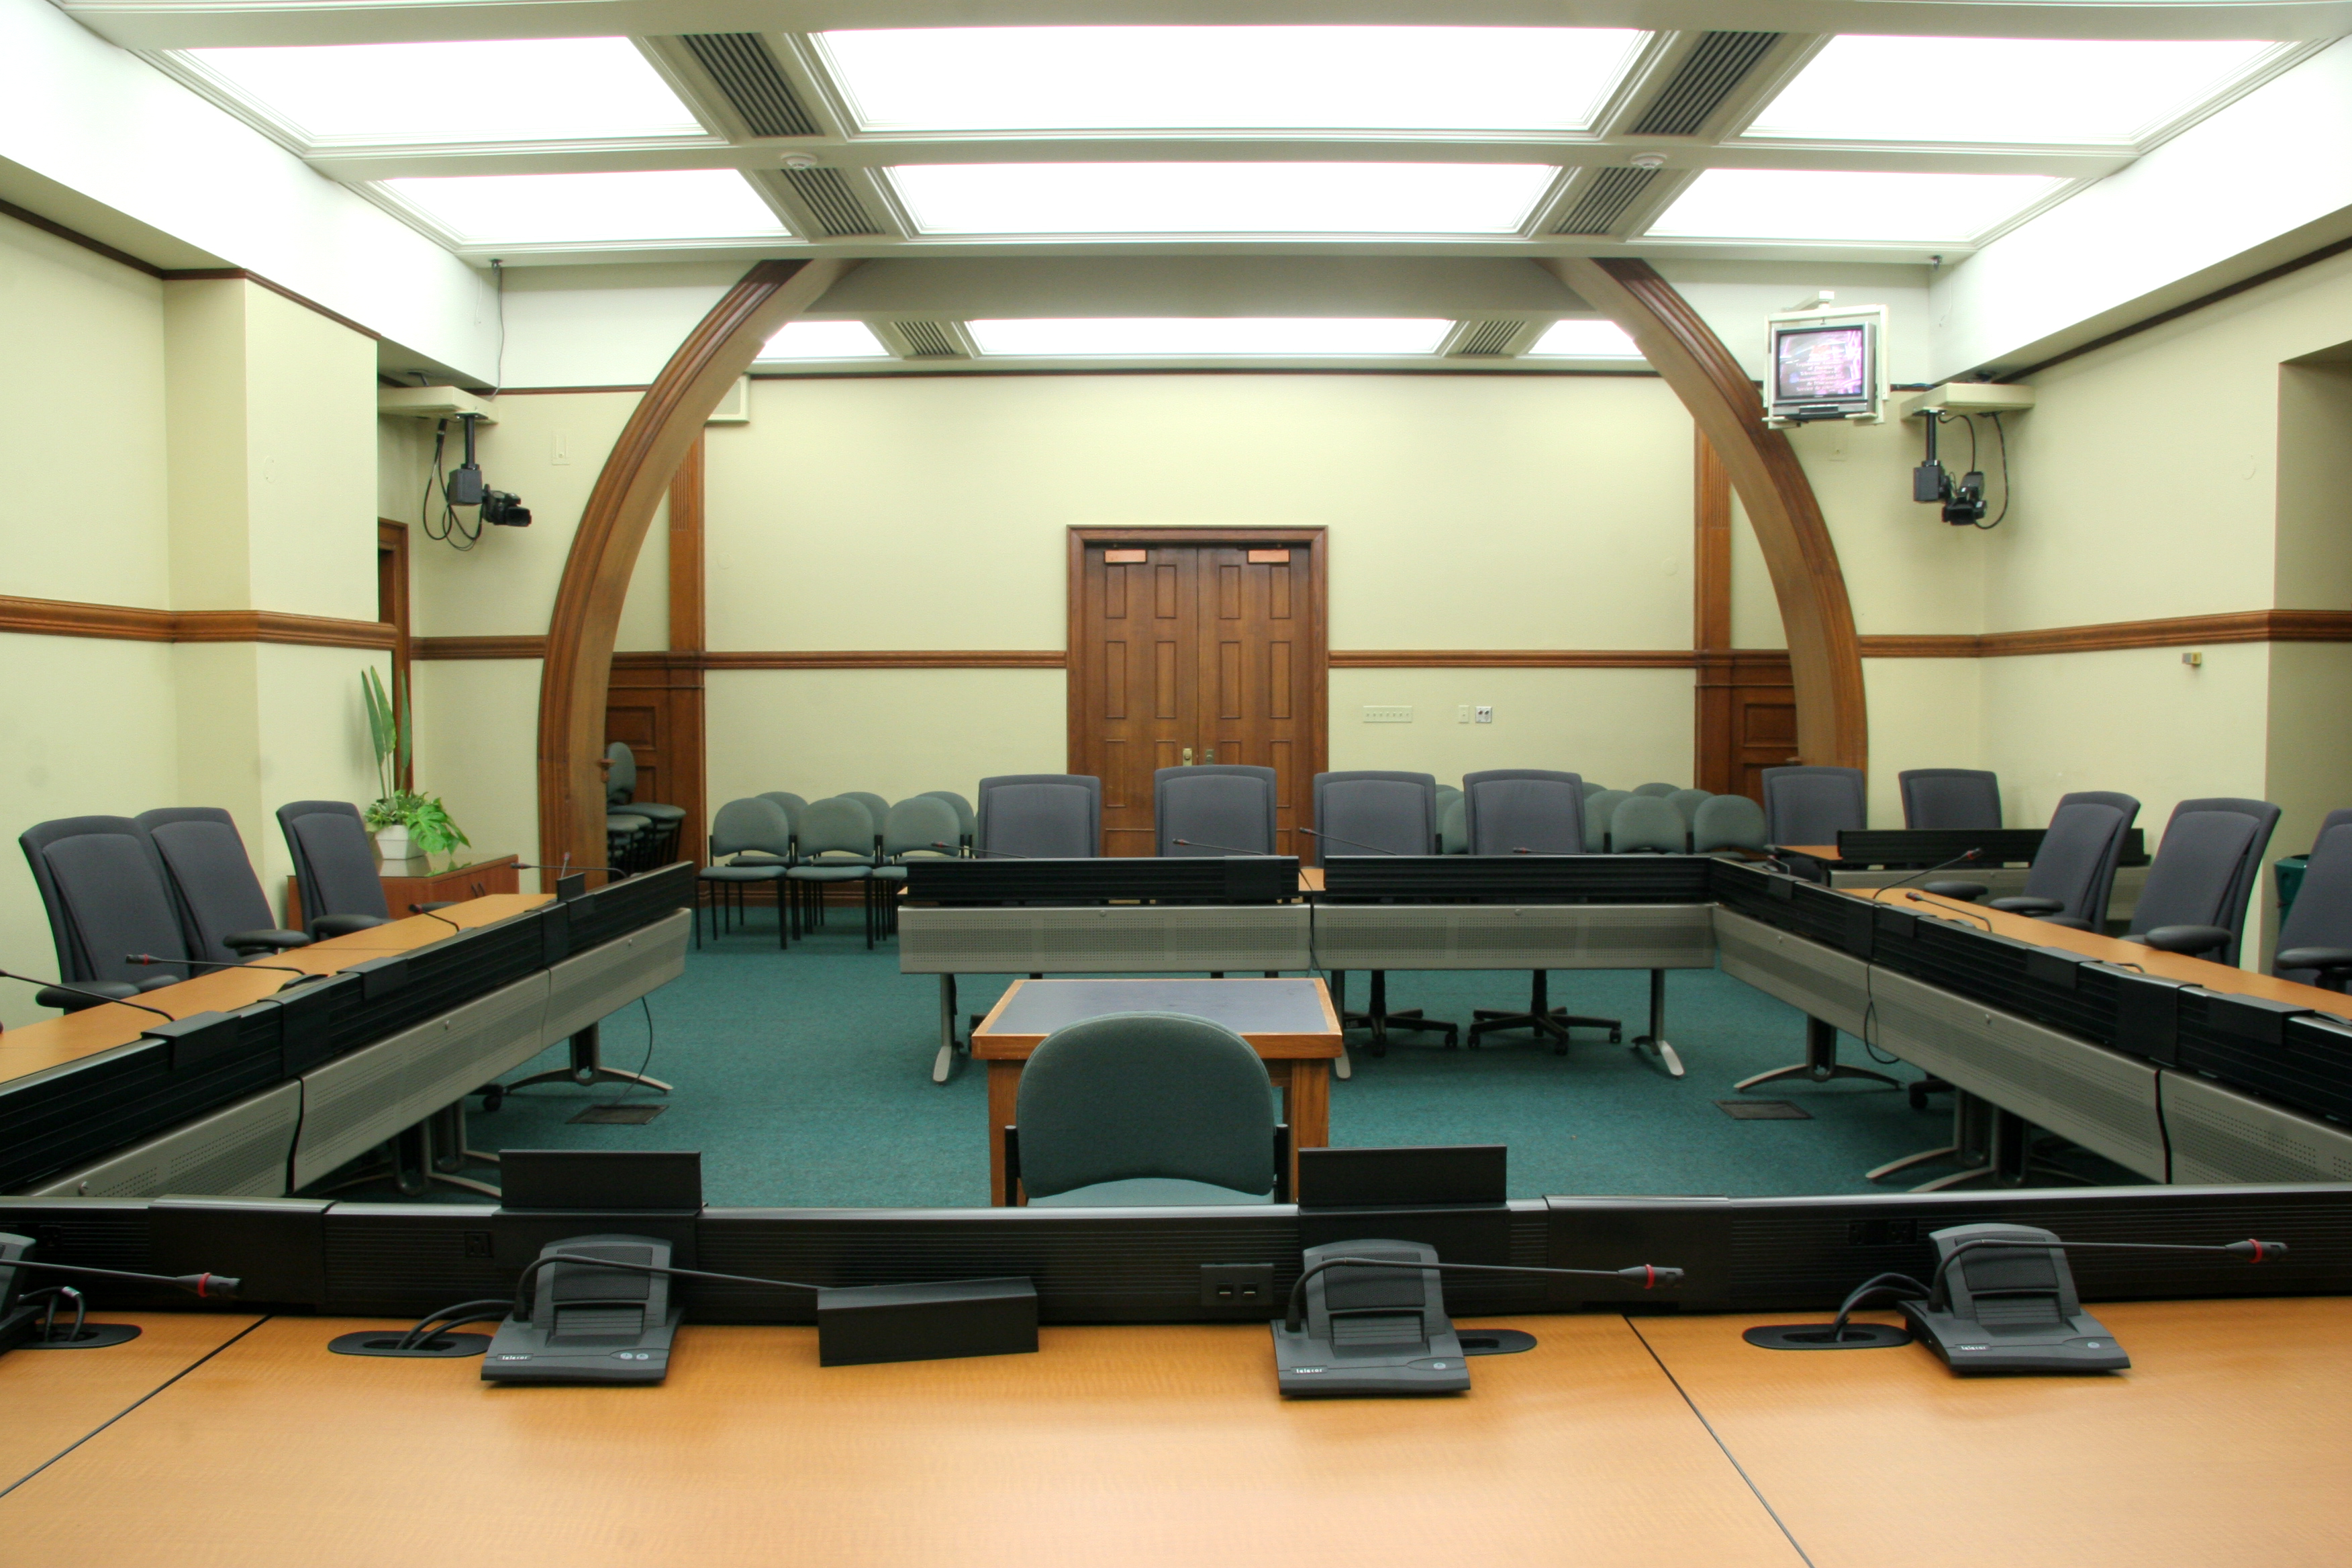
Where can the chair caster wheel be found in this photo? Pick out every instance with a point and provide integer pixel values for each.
(1616, 1037)
(493, 1097)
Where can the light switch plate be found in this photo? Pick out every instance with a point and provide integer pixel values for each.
(1387, 713)
(1462, 714)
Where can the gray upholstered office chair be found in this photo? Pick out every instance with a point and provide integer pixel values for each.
(914, 830)
(104, 894)
(2314, 941)
(2201, 877)
(2074, 870)
(660, 846)
(1599, 809)
(751, 843)
(1647, 824)
(1950, 799)
(1376, 812)
(334, 866)
(1145, 1108)
(1529, 811)
(1813, 806)
(965, 822)
(1219, 809)
(1039, 817)
(224, 914)
(1727, 822)
(1687, 802)
(1454, 827)
(1660, 789)
(836, 843)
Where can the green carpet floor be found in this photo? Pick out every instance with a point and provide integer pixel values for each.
(804, 1078)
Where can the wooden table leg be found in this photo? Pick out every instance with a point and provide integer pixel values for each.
(1308, 1104)
(1003, 1104)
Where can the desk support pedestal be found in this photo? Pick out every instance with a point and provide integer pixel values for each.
(1987, 1144)
(588, 1068)
(1820, 1063)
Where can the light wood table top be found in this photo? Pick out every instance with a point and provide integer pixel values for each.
(1232, 1002)
(56, 1398)
(1127, 1445)
(55, 1041)
(2229, 1441)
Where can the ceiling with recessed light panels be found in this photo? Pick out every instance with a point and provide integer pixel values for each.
(1689, 131)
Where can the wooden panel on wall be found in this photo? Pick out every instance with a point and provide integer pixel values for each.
(654, 702)
(1746, 719)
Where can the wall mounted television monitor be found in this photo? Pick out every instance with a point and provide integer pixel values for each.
(1824, 367)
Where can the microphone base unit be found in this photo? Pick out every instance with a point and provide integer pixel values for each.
(2075, 1343)
(1308, 1366)
(528, 1352)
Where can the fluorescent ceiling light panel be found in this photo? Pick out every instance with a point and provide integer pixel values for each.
(1202, 337)
(1584, 339)
(1220, 198)
(522, 89)
(1152, 78)
(1840, 204)
(824, 340)
(555, 209)
(2032, 92)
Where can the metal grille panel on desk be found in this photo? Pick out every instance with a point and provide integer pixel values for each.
(1820, 981)
(1514, 936)
(359, 1101)
(590, 985)
(1094, 941)
(2220, 1135)
(2100, 1099)
(238, 1152)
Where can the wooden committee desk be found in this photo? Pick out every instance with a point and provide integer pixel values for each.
(1289, 1023)
(299, 1129)
(231, 1442)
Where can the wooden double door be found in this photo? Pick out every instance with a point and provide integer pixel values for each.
(1187, 648)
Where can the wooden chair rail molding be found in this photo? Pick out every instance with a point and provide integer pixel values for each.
(2179, 631)
(1832, 720)
(129, 623)
(576, 670)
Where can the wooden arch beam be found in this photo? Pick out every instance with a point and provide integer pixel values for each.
(580, 634)
(1824, 656)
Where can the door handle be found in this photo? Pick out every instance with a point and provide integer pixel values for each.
(1188, 756)
(1212, 758)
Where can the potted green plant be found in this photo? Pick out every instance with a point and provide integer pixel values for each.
(405, 823)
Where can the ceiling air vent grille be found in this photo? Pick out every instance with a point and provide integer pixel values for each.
(1709, 75)
(927, 340)
(1604, 200)
(831, 202)
(1487, 340)
(746, 73)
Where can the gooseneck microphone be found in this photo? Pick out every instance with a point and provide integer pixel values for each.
(1350, 843)
(300, 975)
(1221, 848)
(1878, 893)
(93, 995)
(996, 854)
(1903, 1285)
(224, 1286)
(428, 914)
(1649, 1276)
(1949, 912)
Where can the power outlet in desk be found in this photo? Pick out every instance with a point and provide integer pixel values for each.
(1244, 1285)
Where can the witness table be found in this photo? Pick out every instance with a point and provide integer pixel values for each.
(1289, 1023)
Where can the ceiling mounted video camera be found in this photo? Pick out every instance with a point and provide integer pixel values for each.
(465, 487)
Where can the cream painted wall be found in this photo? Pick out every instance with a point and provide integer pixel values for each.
(1465, 511)
(1617, 727)
(56, 762)
(311, 432)
(1925, 713)
(2314, 485)
(1906, 569)
(477, 748)
(895, 731)
(83, 514)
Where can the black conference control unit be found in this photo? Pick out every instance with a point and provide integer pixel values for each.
(578, 1323)
(1370, 1330)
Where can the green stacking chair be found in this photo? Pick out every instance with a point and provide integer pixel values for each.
(836, 843)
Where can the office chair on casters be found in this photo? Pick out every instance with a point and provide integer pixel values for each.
(1133, 1108)
(1378, 812)
(334, 866)
(222, 907)
(1047, 816)
(2073, 872)
(1950, 799)
(2202, 876)
(105, 896)
(1508, 811)
(2314, 941)
(1220, 807)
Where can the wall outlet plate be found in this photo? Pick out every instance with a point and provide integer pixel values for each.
(1387, 713)
(1485, 713)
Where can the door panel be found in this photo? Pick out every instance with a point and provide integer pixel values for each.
(1207, 648)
